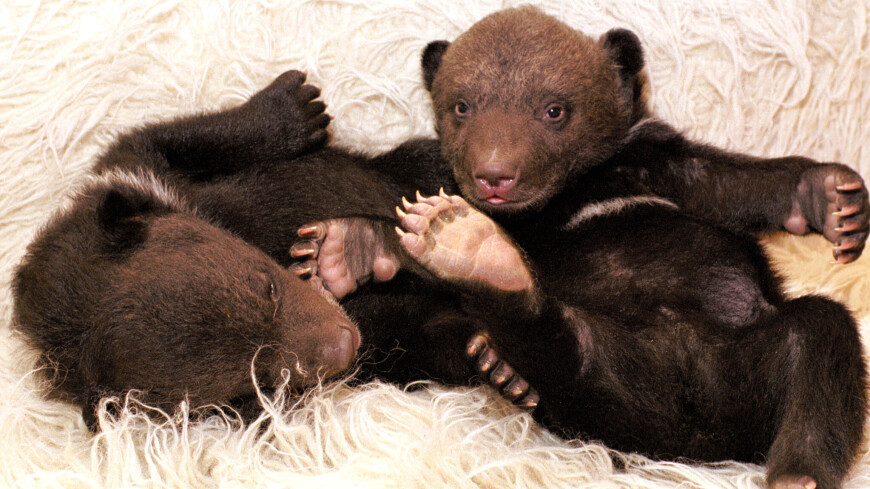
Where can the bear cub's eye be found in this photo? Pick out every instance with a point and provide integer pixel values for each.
(275, 296)
(461, 109)
(554, 113)
(273, 292)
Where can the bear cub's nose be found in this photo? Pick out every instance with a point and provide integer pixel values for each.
(495, 177)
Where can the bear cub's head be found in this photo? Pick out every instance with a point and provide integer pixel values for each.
(523, 102)
(129, 289)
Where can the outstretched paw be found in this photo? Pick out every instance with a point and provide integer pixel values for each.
(499, 374)
(289, 109)
(339, 255)
(834, 198)
(457, 242)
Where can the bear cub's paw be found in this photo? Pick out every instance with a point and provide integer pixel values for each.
(832, 199)
(458, 243)
(499, 375)
(338, 255)
(290, 104)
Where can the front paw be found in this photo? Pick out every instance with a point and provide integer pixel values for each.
(848, 216)
(832, 198)
(288, 111)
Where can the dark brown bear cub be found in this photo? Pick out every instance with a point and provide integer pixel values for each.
(655, 323)
(128, 288)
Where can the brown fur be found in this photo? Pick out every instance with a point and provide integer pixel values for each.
(507, 112)
(661, 330)
(128, 289)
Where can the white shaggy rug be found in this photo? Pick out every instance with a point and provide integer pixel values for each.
(771, 77)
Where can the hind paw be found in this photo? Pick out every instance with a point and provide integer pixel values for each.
(457, 242)
(339, 255)
(499, 374)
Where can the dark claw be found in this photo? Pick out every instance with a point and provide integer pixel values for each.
(530, 401)
(516, 388)
(487, 360)
(475, 345)
(500, 374)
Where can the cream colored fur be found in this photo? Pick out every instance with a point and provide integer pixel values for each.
(768, 77)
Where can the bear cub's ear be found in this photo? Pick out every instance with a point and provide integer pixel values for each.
(625, 52)
(119, 215)
(624, 49)
(432, 60)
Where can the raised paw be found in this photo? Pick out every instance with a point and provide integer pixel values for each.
(340, 254)
(457, 242)
(848, 215)
(499, 374)
(833, 198)
(289, 111)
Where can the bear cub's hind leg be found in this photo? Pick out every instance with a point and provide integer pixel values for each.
(458, 243)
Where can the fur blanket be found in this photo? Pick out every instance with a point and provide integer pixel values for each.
(767, 77)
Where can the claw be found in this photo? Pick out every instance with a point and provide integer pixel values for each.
(500, 376)
(400, 232)
(420, 197)
(487, 360)
(845, 211)
(298, 253)
(475, 345)
(299, 272)
(307, 231)
(849, 187)
(529, 402)
(515, 390)
(846, 227)
(841, 247)
(406, 204)
(401, 213)
(442, 193)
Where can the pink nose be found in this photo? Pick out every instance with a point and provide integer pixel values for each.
(495, 177)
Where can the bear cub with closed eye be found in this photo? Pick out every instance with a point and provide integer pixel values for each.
(130, 288)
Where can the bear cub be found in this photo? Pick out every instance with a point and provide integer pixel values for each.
(130, 288)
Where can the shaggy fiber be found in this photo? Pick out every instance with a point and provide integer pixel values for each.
(770, 77)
